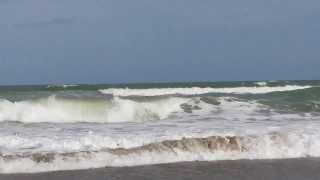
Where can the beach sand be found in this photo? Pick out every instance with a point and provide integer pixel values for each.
(284, 169)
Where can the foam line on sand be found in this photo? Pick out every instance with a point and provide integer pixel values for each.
(293, 169)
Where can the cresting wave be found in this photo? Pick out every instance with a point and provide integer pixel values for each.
(197, 90)
(64, 110)
(265, 146)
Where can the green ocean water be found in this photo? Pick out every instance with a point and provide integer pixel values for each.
(301, 100)
(95, 87)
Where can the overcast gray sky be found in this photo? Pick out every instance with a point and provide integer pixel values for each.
(115, 41)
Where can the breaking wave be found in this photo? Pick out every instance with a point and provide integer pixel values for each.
(64, 110)
(261, 83)
(265, 146)
(57, 109)
(197, 90)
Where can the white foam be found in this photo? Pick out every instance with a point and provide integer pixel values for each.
(297, 135)
(197, 90)
(261, 83)
(293, 144)
(63, 86)
(229, 118)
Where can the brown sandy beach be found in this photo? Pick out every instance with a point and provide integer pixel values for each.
(291, 169)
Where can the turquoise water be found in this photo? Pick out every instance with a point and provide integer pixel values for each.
(307, 100)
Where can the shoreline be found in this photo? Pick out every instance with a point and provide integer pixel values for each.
(274, 169)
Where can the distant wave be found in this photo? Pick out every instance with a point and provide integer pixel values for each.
(262, 83)
(197, 90)
(62, 86)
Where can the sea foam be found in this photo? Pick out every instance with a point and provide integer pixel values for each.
(292, 144)
(197, 90)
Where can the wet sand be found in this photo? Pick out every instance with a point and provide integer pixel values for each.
(285, 169)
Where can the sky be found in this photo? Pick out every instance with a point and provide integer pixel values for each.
(120, 41)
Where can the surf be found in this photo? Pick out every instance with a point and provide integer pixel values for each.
(275, 145)
(79, 127)
(198, 90)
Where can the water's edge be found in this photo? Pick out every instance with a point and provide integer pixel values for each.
(293, 169)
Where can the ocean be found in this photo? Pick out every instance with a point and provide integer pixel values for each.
(68, 127)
